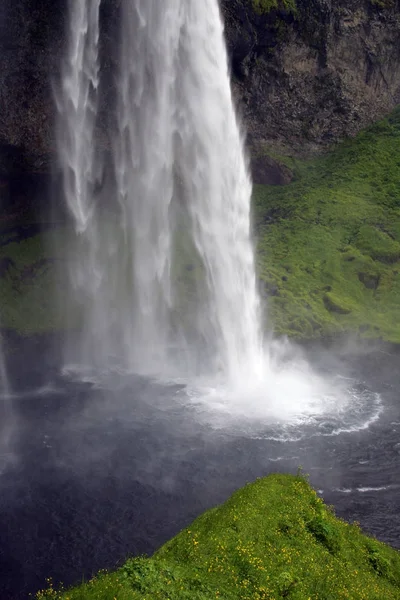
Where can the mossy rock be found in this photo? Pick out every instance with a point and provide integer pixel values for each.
(371, 281)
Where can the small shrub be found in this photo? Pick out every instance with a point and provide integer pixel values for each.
(325, 533)
(285, 583)
(379, 563)
(139, 571)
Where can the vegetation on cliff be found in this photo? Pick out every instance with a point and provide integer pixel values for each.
(328, 249)
(272, 539)
(265, 6)
(329, 242)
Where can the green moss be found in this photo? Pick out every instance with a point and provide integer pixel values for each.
(336, 304)
(272, 539)
(383, 3)
(266, 6)
(329, 242)
(377, 244)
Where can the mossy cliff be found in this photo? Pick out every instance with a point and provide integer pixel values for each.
(329, 242)
(272, 539)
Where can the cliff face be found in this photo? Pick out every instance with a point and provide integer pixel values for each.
(307, 79)
(31, 44)
(302, 79)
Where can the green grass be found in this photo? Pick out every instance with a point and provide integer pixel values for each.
(266, 6)
(383, 3)
(272, 539)
(329, 242)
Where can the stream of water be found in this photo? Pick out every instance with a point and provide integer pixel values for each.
(6, 413)
(166, 275)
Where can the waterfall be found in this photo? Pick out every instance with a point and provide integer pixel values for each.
(6, 409)
(6, 413)
(162, 263)
(77, 108)
(3, 372)
(6, 416)
(218, 190)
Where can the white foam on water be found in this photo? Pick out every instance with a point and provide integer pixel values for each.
(366, 489)
(292, 403)
(279, 458)
(381, 488)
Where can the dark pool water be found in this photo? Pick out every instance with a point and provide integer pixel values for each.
(98, 471)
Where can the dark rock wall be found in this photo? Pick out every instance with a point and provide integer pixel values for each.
(31, 44)
(307, 80)
(302, 80)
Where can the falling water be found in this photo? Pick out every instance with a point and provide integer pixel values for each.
(164, 266)
(218, 190)
(77, 106)
(3, 373)
(7, 420)
(6, 413)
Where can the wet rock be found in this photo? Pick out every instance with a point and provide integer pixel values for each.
(370, 280)
(267, 171)
(316, 76)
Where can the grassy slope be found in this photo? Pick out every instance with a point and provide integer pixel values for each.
(274, 539)
(329, 242)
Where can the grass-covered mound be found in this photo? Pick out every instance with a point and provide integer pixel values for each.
(274, 538)
(329, 242)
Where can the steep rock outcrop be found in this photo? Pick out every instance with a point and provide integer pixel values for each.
(302, 79)
(307, 79)
(31, 44)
